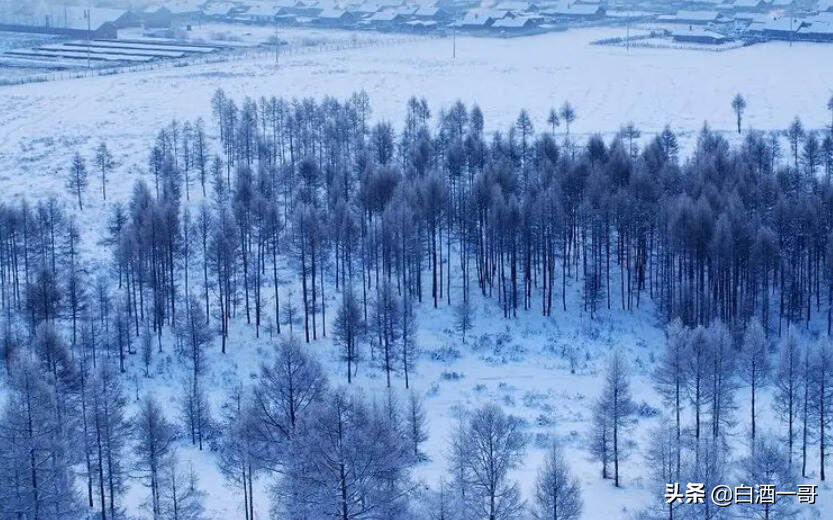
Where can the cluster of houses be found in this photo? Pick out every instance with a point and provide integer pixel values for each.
(719, 21)
(699, 21)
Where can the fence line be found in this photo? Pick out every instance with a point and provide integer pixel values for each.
(253, 53)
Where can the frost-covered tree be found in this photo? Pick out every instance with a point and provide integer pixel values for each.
(557, 491)
(613, 414)
(104, 162)
(755, 368)
(670, 379)
(739, 106)
(492, 445)
(348, 328)
(77, 179)
(416, 424)
(286, 390)
(154, 448)
(36, 476)
(347, 461)
(788, 388)
(770, 465)
(181, 496)
(464, 317)
(821, 397)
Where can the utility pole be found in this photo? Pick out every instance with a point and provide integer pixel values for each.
(628, 32)
(89, 39)
(277, 42)
(453, 43)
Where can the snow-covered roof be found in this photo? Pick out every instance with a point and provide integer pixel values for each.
(482, 15)
(219, 8)
(515, 5)
(184, 6)
(575, 10)
(696, 32)
(332, 14)
(749, 4)
(823, 17)
(386, 15)
(262, 9)
(513, 23)
(704, 16)
(427, 11)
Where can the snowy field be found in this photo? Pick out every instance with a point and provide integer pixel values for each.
(518, 363)
(608, 85)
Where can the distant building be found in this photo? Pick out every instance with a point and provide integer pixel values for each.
(816, 32)
(263, 12)
(432, 13)
(786, 28)
(482, 17)
(221, 10)
(517, 25)
(749, 6)
(577, 11)
(697, 17)
(77, 22)
(518, 6)
(335, 18)
(185, 9)
(157, 17)
(698, 35)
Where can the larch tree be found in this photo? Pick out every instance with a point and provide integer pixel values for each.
(557, 491)
(77, 179)
(739, 106)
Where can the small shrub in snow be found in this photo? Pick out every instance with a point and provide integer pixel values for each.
(451, 376)
(646, 410)
(542, 440)
(444, 354)
(544, 420)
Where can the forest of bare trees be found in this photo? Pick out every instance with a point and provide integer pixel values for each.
(264, 214)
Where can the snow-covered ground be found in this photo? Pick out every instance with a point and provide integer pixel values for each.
(42, 124)
(518, 363)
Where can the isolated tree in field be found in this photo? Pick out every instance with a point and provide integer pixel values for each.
(464, 315)
(154, 448)
(568, 115)
(77, 180)
(347, 332)
(104, 163)
(615, 407)
(557, 492)
(739, 106)
(493, 446)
